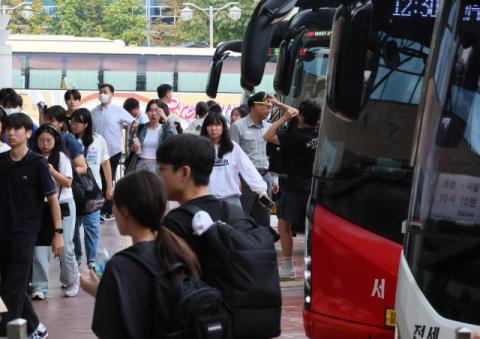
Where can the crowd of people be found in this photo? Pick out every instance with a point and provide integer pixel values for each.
(217, 160)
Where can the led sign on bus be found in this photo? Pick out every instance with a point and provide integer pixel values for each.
(319, 33)
(425, 8)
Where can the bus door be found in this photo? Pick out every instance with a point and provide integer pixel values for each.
(363, 175)
(438, 292)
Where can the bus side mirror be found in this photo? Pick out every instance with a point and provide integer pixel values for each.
(287, 55)
(258, 37)
(347, 77)
(217, 64)
(450, 130)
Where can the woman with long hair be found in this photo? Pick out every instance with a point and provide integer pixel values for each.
(238, 113)
(48, 142)
(230, 161)
(150, 136)
(125, 295)
(96, 156)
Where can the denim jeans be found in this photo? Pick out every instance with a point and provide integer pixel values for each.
(234, 200)
(91, 225)
(41, 259)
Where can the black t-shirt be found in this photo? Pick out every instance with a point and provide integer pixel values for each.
(300, 159)
(180, 222)
(125, 296)
(22, 196)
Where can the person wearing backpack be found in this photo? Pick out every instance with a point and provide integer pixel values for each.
(301, 145)
(25, 181)
(127, 304)
(236, 255)
(95, 149)
(201, 110)
(150, 135)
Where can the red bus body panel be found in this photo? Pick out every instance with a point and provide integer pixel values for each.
(354, 279)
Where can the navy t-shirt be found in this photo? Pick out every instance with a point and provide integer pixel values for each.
(73, 146)
(300, 159)
(22, 196)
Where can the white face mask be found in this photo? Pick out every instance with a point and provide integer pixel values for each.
(12, 110)
(104, 98)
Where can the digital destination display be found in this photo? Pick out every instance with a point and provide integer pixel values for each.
(424, 8)
(429, 9)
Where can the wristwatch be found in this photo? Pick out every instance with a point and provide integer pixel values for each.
(59, 230)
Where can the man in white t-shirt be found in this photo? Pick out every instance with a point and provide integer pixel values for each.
(108, 120)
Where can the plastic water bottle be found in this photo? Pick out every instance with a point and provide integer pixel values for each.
(101, 260)
(137, 142)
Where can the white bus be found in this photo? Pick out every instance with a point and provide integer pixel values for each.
(44, 66)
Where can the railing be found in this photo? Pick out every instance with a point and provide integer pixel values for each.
(17, 329)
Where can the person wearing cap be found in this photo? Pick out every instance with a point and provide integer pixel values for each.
(248, 134)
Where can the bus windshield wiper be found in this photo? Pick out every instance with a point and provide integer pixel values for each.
(462, 251)
(345, 186)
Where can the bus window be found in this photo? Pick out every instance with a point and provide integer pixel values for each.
(121, 72)
(82, 73)
(159, 71)
(45, 72)
(18, 71)
(230, 79)
(192, 74)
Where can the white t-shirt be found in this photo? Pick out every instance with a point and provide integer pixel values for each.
(224, 177)
(65, 168)
(97, 154)
(111, 127)
(150, 143)
(5, 148)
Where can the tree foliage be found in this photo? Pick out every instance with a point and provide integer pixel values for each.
(198, 28)
(38, 24)
(124, 20)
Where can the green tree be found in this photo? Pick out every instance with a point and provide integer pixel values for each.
(69, 18)
(38, 24)
(93, 24)
(125, 20)
(198, 28)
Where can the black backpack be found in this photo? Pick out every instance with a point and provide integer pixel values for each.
(241, 262)
(278, 154)
(185, 307)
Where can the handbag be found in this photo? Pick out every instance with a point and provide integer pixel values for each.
(132, 154)
(278, 154)
(92, 199)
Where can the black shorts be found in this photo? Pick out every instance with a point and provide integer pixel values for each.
(292, 206)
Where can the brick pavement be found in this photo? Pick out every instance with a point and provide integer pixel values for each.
(70, 318)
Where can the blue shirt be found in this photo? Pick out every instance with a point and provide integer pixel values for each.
(73, 145)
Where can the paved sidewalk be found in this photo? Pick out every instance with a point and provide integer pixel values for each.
(71, 318)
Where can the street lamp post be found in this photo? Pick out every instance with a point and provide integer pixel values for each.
(234, 12)
(6, 50)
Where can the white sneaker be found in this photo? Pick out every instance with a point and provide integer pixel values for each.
(39, 334)
(286, 274)
(39, 295)
(72, 289)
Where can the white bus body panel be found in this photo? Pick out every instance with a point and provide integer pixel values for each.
(416, 318)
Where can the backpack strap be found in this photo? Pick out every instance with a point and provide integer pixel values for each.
(147, 260)
(190, 209)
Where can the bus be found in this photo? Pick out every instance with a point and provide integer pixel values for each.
(44, 66)
(363, 173)
(371, 63)
(438, 291)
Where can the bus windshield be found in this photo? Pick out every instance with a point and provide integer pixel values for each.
(443, 243)
(362, 170)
